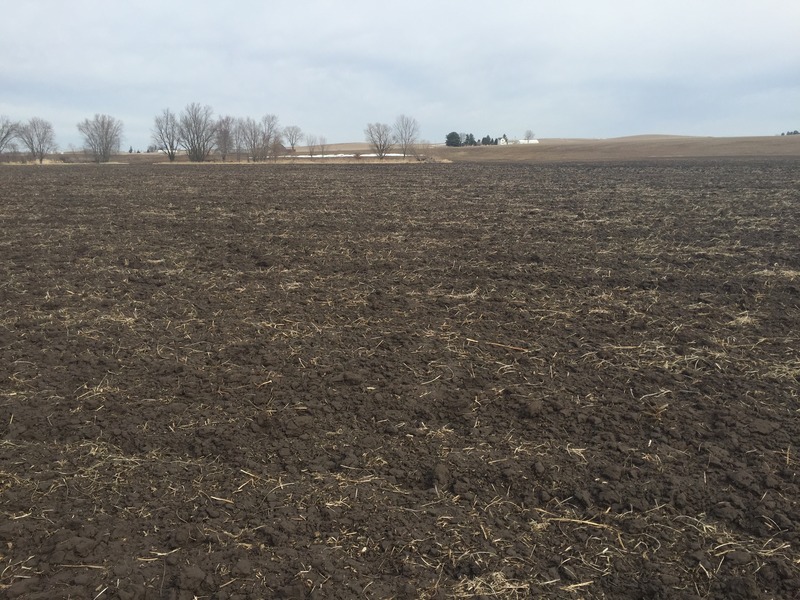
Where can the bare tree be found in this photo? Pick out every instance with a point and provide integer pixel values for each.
(276, 147)
(196, 130)
(238, 137)
(259, 137)
(293, 135)
(166, 134)
(420, 150)
(529, 135)
(8, 131)
(225, 136)
(102, 136)
(271, 135)
(38, 137)
(406, 133)
(250, 138)
(379, 136)
(311, 142)
(323, 144)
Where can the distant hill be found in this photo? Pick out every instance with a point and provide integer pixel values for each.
(638, 147)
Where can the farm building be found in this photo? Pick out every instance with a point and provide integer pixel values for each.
(504, 142)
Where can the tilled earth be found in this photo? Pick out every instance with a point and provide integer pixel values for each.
(400, 381)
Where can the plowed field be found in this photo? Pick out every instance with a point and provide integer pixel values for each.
(400, 381)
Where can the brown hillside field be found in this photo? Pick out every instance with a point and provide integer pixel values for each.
(629, 148)
(570, 380)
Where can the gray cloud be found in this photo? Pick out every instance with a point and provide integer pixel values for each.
(564, 69)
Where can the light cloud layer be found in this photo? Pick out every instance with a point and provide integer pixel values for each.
(563, 69)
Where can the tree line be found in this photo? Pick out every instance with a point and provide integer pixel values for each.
(102, 136)
(197, 132)
(403, 135)
(36, 135)
(456, 139)
(194, 131)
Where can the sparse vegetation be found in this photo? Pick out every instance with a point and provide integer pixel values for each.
(312, 141)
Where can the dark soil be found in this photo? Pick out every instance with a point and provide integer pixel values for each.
(409, 381)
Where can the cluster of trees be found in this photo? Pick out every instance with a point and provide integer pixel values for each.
(195, 131)
(456, 139)
(101, 136)
(198, 133)
(795, 132)
(36, 135)
(383, 138)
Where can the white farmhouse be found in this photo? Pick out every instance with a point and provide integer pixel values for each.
(505, 141)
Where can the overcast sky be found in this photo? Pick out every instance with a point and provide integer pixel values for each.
(562, 68)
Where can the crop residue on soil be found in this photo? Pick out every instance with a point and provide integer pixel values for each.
(410, 381)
